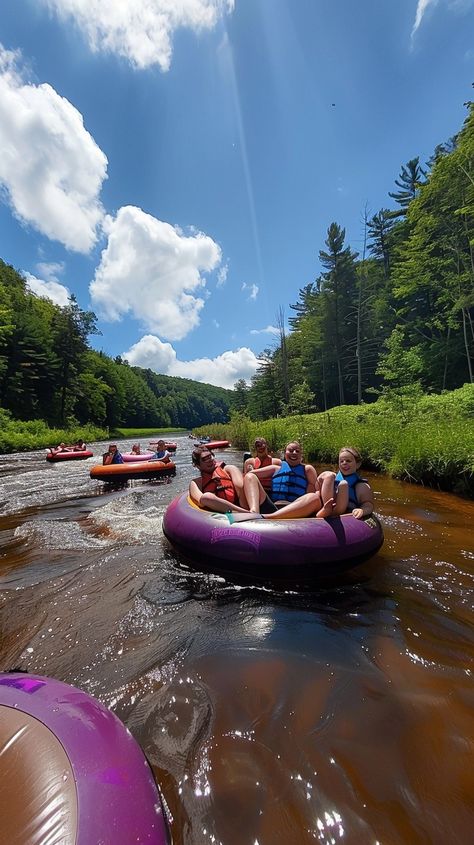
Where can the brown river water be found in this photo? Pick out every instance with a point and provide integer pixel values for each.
(341, 714)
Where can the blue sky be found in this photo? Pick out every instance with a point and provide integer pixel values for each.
(175, 164)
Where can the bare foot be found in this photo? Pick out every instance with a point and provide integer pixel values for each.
(327, 509)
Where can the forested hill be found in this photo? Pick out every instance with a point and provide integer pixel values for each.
(48, 371)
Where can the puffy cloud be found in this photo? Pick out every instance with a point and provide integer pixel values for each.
(150, 269)
(223, 371)
(52, 290)
(50, 167)
(140, 31)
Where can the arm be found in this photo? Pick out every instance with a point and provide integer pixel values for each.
(312, 485)
(209, 500)
(248, 465)
(263, 472)
(365, 498)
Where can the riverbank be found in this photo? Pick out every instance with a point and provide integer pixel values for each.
(146, 432)
(429, 442)
(20, 436)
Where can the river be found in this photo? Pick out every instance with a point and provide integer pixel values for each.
(338, 715)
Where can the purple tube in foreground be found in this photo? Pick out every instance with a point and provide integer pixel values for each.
(71, 772)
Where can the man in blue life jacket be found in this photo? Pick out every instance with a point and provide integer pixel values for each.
(294, 487)
(161, 453)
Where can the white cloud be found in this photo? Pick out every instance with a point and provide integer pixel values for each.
(423, 6)
(140, 31)
(252, 289)
(51, 169)
(420, 11)
(50, 270)
(150, 352)
(266, 330)
(150, 269)
(52, 290)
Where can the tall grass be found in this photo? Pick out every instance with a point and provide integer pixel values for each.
(20, 436)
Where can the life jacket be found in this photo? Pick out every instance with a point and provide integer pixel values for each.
(219, 483)
(158, 456)
(265, 462)
(353, 479)
(117, 459)
(288, 483)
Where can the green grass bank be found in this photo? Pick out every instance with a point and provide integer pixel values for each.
(19, 436)
(430, 441)
(128, 433)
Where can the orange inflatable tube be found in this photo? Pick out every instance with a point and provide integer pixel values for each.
(140, 469)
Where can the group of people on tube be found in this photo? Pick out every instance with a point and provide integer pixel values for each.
(78, 446)
(281, 489)
(113, 456)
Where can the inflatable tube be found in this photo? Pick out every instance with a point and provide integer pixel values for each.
(171, 447)
(216, 444)
(131, 457)
(116, 473)
(80, 455)
(71, 772)
(269, 550)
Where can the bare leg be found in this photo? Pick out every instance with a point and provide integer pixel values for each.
(342, 498)
(305, 505)
(212, 503)
(326, 481)
(254, 492)
(242, 497)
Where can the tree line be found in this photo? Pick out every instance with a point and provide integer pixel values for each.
(396, 318)
(48, 371)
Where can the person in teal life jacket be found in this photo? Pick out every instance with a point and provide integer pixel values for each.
(161, 453)
(346, 491)
(112, 456)
(294, 490)
(219, 486)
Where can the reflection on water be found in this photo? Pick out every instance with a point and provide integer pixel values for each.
(341, 714)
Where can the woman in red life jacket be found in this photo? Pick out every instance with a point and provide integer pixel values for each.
(218, 488)
(262, 459)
